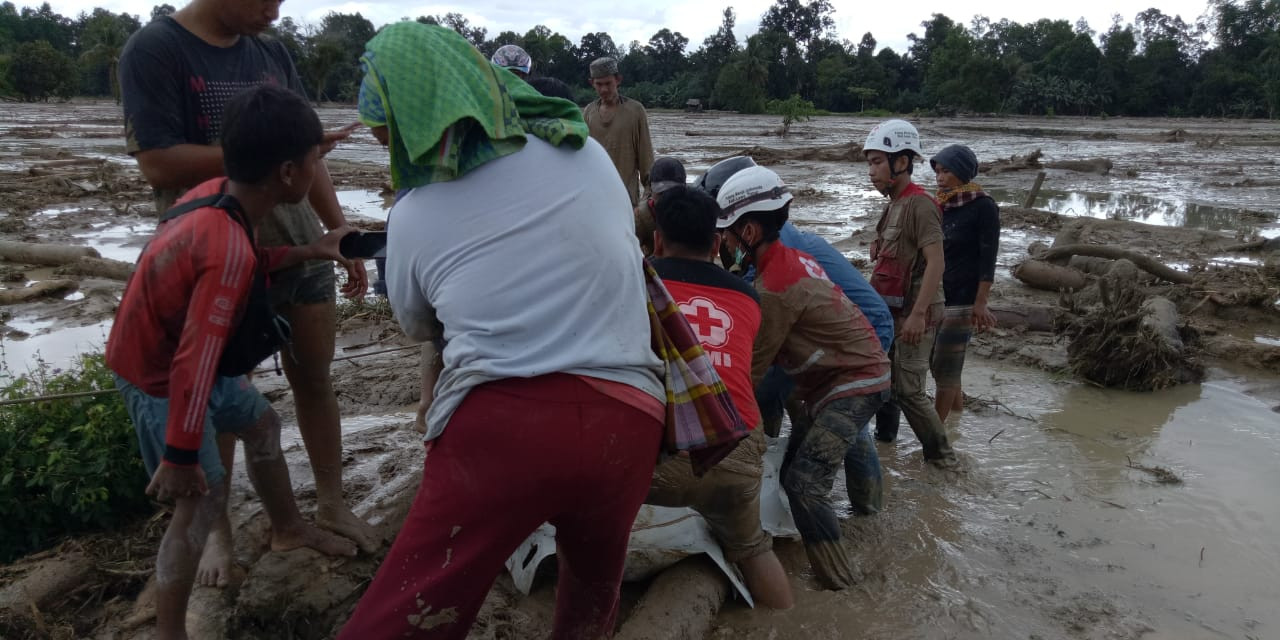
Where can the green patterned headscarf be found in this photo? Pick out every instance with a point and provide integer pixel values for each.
(447, 109)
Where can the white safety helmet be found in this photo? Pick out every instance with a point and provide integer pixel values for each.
(893, 136)
(751, 190)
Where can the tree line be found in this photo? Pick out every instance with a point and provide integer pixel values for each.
(1226, 63)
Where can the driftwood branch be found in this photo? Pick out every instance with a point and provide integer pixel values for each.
(49, 254)
(1040, 274)
(42, 289)
(1146, 263)
(98, 268)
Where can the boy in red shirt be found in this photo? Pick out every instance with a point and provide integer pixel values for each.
(192, 321)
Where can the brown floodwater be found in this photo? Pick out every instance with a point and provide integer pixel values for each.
(1051, 530)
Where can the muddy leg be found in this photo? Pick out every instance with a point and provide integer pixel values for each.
(813, 457)
(270, 477)
(949, 399)
(219, 549)
(863, 476)
(307, 367)
(767, 581)
(910, 366)
(179, 554)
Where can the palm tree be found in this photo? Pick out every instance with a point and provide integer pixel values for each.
(104, 38)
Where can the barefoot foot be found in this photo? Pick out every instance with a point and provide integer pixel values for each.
(342, 522)
(215, 564)
(306, 535)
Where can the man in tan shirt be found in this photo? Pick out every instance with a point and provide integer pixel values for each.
(620, 125)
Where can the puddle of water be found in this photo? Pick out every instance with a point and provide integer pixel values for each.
(1138, 208)
(59, 347)
(364, 202)
(1274, 342)
(116, 241)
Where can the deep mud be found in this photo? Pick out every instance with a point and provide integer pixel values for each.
(1056, 527)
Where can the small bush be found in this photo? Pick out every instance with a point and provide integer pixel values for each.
(66, 465)
(793, 109)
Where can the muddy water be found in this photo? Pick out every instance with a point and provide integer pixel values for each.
(1048, 533)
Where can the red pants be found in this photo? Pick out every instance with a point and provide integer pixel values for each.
(517, 453)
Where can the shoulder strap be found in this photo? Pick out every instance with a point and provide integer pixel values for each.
(189, 206)
(226, 202)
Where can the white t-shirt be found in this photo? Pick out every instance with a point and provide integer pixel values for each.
(530, 264)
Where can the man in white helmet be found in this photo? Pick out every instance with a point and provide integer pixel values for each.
(811, 329)
(908, 274)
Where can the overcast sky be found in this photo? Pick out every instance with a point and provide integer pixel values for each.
(888, 21)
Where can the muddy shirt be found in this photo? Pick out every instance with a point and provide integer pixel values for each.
(625, 135)
(183, 301)
(909, 223)
(972, 242)
(811, 329)
(174, 87)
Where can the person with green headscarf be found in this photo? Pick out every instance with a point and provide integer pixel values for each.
(512, 256)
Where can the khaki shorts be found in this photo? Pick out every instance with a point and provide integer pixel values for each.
(311, 283)
(728, 496)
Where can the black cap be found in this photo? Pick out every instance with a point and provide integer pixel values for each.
(666, 173)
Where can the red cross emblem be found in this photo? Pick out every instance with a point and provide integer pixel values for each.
(711, 323)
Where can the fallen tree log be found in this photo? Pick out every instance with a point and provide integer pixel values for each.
(98, 268)
(681, 604)
(1100, 166)
(47, 582)
(1039, 274)
(1146, 263)
(49, 254)
(42, 289)
(1032, 317)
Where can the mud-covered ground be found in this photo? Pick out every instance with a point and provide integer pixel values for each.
(1052, 530)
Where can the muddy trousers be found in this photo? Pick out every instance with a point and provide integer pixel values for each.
(910, 369)
(838, 436)
(517, 453)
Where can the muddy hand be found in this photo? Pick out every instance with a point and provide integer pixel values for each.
(171, 482)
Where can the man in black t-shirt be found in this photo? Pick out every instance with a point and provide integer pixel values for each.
(176, 74)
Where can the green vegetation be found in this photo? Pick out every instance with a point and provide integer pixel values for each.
(1225, 63)
(793, 109)
(66, 465)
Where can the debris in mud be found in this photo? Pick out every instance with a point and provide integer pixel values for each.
(1100, 166)
(12, 274)
(1012, 163)
(1131, 341)
(1161, 475)
(848, 152)
(98, 268)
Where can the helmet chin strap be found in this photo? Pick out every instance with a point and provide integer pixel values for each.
(748, 256)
